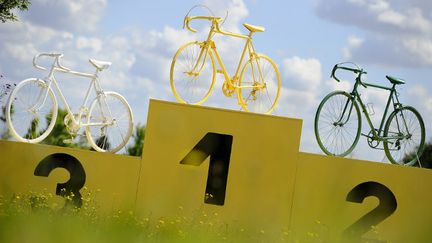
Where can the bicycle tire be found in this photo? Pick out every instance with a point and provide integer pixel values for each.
(109, 138)
(31, 113)
(401, 121)
(340, 144)
(259, 100)
(188, 86)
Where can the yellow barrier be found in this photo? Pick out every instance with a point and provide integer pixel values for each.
(238, 168)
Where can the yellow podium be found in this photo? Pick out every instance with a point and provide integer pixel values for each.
(360, 201)
(108, 180)
(236, 168)
(236, 165)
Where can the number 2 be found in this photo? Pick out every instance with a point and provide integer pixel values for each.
(387, 205)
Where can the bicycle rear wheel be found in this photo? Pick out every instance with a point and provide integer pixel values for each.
(110, 123)
(404, 135)
(31, 111)
(262, 75)
(191, 76)
(337, 124)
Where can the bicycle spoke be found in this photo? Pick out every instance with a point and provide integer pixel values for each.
(115, 119)
(261, 73)
(192, 75)
(337, 130)
(31, 115)
(405, 133)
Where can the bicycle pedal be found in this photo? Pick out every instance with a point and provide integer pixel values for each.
(366, 135)
(68, 141)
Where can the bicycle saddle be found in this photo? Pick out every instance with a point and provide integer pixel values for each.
(394, 80)
(253, 28)
(100, 64)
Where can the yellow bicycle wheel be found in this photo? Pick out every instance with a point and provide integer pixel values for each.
(192, 77)
(259, 85)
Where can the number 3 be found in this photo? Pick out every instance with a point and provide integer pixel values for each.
(76, 171)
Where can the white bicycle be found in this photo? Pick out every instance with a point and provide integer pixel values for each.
(31, 111)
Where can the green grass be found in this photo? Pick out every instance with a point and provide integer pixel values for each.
(31, 218)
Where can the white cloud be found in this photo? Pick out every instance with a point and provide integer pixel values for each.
(422, 101)
(93, 44)
(397, 32)
(77, 15)
(21, 53)
(420, 48)
(353, 42)
(237, 11)
(304, 74)
(300, 95)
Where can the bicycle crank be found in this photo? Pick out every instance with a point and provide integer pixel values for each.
(70, 125)
(228, 90)
(372, 141)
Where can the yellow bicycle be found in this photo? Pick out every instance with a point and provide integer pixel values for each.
(192, 75)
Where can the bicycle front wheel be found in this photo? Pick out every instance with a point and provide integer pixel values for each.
(259, 85)
(109, 123)
(192, 77)
(337, 124)
(404, 135)
(31, 111)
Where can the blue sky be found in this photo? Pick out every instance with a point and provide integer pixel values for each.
(305, 38)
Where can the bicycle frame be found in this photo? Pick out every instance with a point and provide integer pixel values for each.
(210, 45)
(84, 108)
(393, 98)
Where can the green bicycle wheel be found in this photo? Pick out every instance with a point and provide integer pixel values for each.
(337, 124)
(404, 135)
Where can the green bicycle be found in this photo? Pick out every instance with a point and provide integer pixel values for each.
(338, 123)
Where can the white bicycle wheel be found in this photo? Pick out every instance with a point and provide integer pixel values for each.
(110, 123)
(31, 111)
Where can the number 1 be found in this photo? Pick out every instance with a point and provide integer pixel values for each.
(218, 147)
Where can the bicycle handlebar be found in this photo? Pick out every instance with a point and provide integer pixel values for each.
(187, 19)
(57, 57)
(357, 70)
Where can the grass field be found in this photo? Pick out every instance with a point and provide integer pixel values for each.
(31, 218)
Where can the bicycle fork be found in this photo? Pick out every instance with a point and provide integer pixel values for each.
(198, 67)
(42, 97)
(340, 122)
